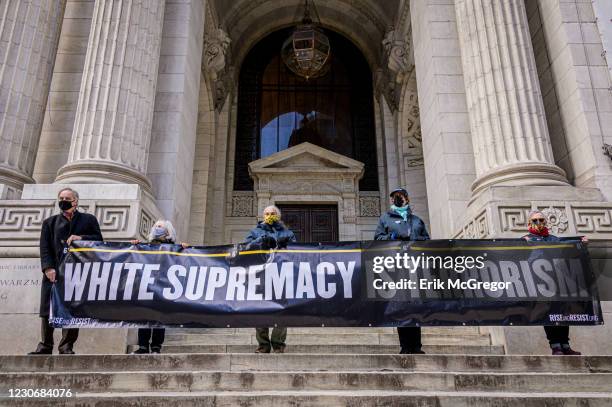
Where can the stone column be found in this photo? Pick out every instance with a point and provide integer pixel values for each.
(112, 129)
(507, 119)
(29, 32)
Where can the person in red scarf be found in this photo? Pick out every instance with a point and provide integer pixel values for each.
(558, 336)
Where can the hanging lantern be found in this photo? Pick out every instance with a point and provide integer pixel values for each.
(307, 51)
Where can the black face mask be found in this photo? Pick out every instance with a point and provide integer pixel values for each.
(64, 205)
(398, 201)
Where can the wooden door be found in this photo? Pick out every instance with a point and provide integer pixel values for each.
(311, 223)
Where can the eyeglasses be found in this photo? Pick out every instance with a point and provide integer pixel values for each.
(538, 220)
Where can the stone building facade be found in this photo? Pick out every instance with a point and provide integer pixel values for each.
(483, 110)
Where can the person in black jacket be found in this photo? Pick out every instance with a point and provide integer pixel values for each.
(270, 234)
(557, 335)
(57, 233)
(399, 223)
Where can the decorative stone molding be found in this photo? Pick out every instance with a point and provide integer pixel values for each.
(397, 65)
(509, 219)
(557, 219)
(477, 228)
(215, 64)
(242, 203)
(124, 212)
(21, 221)
(369, 204)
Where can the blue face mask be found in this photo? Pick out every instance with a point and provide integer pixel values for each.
(159, 232)
(401, 210)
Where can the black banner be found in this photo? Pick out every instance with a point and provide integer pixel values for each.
(380, 283)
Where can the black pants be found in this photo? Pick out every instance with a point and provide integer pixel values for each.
(155, 336)
(410, 337)
(69, 337)
(557, 334)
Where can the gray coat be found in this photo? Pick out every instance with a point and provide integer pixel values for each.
(392, 226)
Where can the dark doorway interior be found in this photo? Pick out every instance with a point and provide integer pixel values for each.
(311, 223)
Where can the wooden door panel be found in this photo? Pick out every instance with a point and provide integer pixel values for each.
(311, 223)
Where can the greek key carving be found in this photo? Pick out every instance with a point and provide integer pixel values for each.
(24, 218)
(112, 218)
(593, 220)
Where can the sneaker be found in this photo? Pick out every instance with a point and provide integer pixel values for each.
(262, 349)
(140, 351)
(280, 349)
(66, 352)
(155, 350)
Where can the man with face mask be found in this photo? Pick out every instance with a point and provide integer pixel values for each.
(400, 224)
(58, 232)
(272, 233)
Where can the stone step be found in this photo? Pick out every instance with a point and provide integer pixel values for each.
(337, 339)
(307, 362)
(364, 398)
(95, 382)
(354, 349)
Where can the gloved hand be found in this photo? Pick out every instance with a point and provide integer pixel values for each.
(404, 236)
(269, 242)
(282, 241)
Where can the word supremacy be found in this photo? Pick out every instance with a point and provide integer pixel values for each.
(102, 281)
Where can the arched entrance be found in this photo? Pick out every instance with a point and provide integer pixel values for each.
(278, 109)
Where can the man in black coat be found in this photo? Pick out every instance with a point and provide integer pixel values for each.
(399, 223)
(57, 233)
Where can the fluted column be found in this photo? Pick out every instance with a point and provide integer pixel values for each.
(112, 129)
(29, 32)
(507, 119)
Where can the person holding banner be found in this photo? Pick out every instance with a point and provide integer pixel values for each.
(58, 232)
(272, 233)
(150, 340)
(399, 223)
(557, 335)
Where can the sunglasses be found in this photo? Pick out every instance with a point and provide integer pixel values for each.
(538, 220)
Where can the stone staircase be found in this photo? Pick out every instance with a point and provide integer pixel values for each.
(322, 367)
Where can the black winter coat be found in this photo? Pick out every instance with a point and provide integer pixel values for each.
(55, 231)
(392, 226)
(532, 237)
(279, 232)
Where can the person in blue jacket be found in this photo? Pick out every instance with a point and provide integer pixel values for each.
(557, 335)
(272, 233)
(399, 223)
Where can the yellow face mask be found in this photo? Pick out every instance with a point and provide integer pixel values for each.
(270, 219)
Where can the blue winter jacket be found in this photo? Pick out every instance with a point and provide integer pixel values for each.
(278, 231)
(392, 226)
